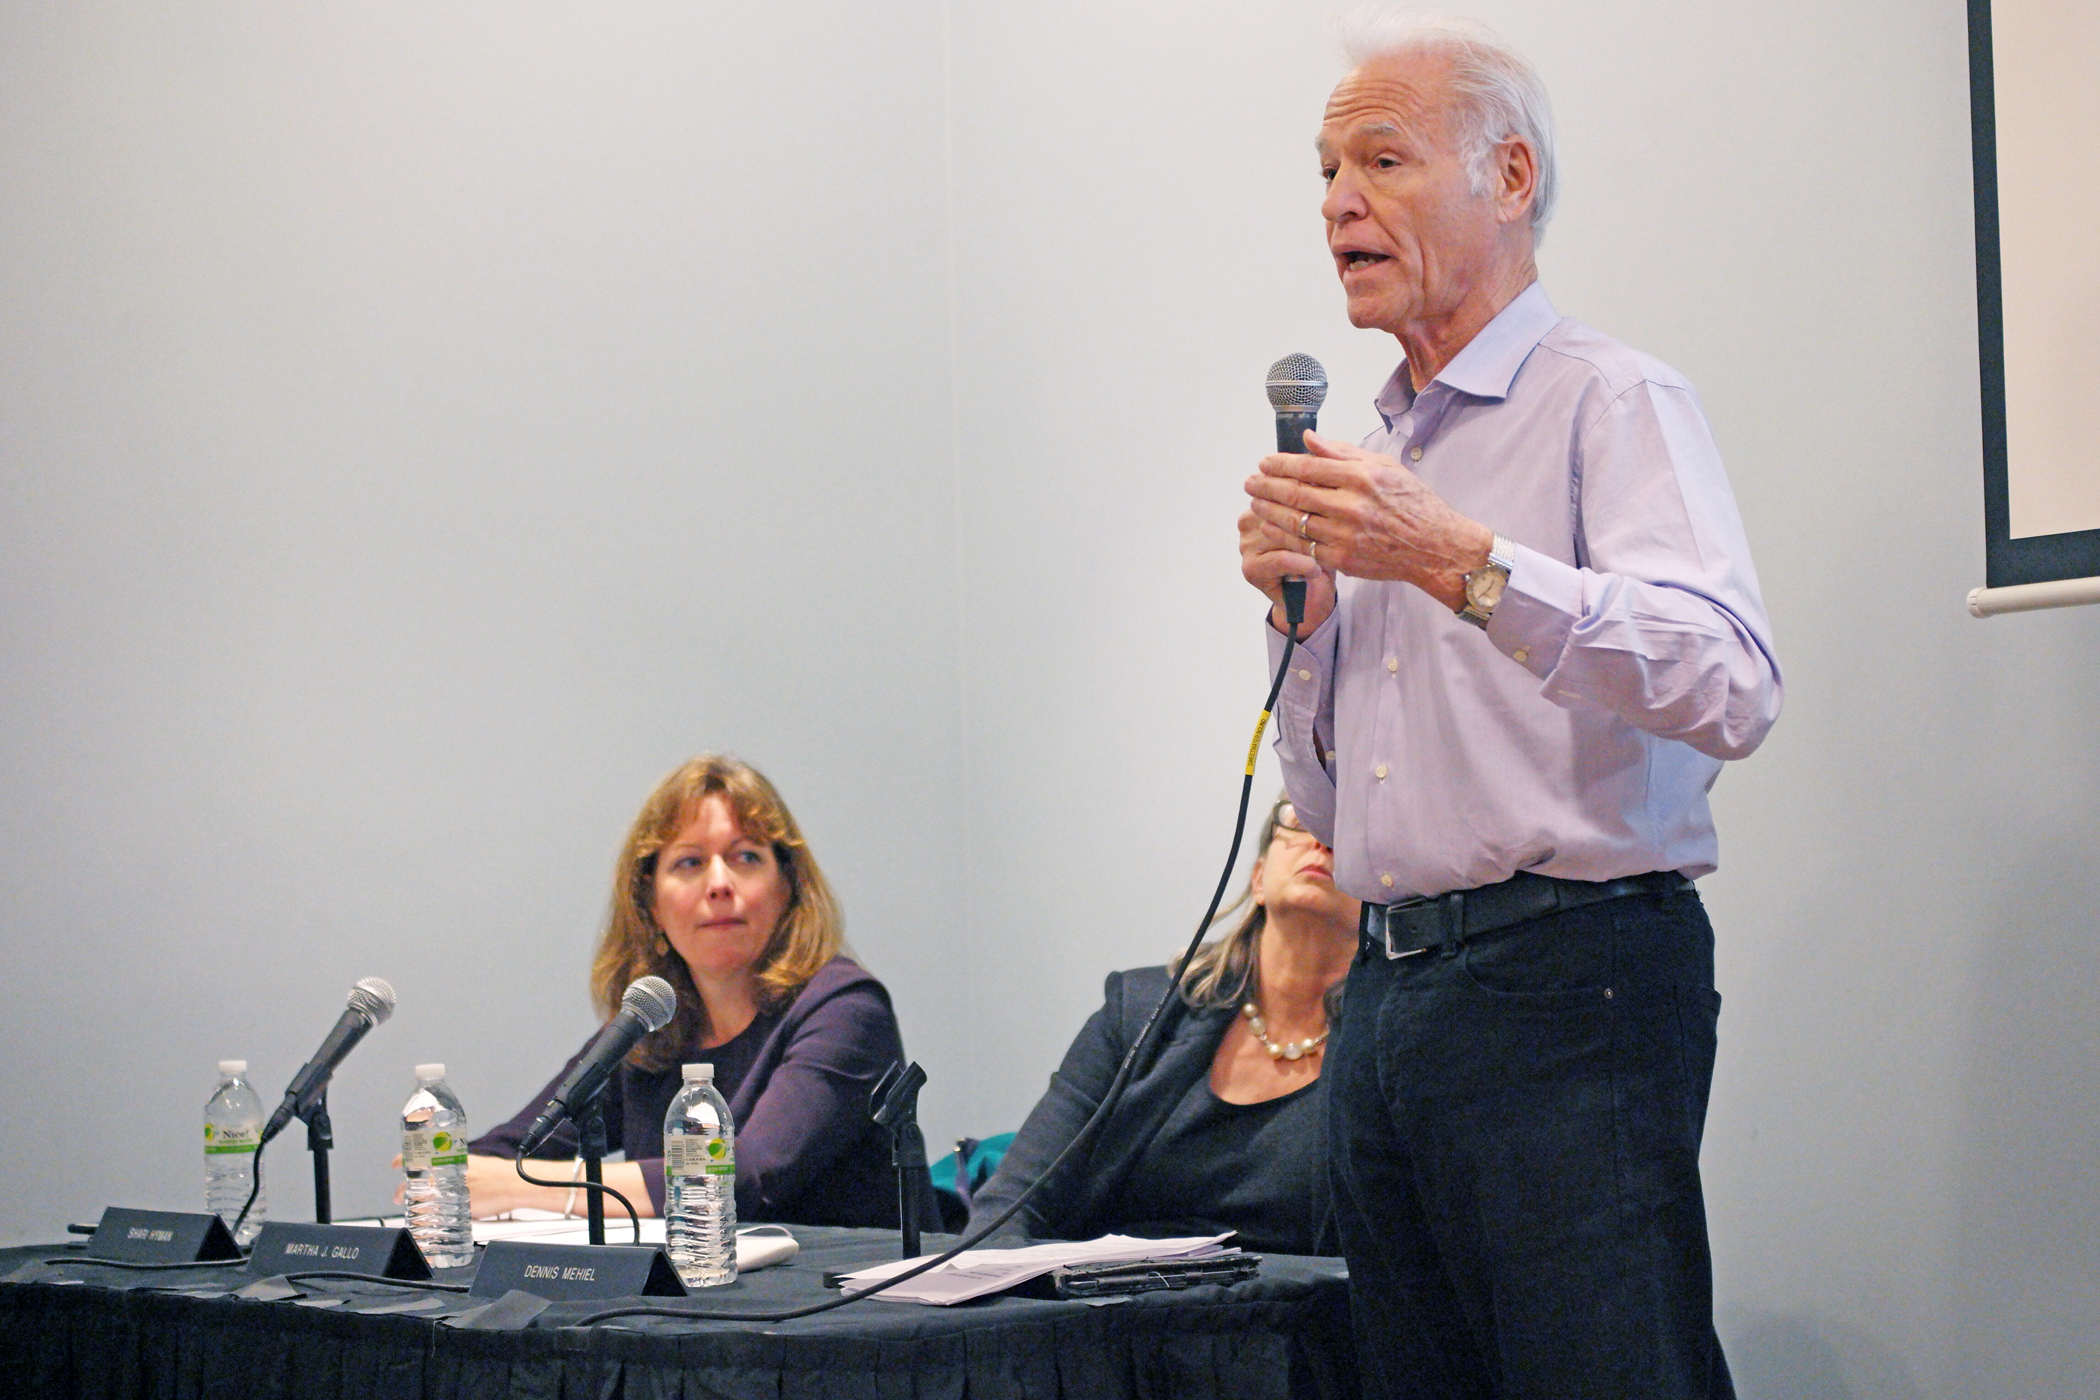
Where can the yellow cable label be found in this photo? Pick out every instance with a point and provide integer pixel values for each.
(1254, 748)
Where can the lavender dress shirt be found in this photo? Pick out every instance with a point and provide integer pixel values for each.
(1577, 735)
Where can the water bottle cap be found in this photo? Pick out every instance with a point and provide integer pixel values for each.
(229, 1068)
(429, 1074)
(705, 1074)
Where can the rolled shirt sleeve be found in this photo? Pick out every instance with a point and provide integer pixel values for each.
(1661, 624)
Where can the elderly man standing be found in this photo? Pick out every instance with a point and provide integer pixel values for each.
(1532, 636)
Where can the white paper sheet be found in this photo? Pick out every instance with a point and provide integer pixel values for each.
(983, 1271)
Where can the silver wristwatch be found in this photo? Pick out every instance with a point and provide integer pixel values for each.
(1485, 584)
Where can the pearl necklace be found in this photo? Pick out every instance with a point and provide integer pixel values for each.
(1290, 1049)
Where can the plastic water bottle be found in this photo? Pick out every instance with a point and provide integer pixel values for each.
(700, 1182)
(233, 1122)
(434, 1163)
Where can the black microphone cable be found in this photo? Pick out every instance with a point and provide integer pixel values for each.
(429, 1284)
(625, 1204)
(1294, 611)
(238, 1262)
(253, 1191)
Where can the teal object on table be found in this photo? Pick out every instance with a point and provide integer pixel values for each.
(957, 1176)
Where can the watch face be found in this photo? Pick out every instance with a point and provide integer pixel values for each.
(1484, 588)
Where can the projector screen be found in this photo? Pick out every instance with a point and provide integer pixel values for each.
(2035, 111)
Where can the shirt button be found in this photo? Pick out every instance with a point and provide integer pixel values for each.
(1522, 654)
(1415, 452)
(1392, 663)
(1304, 675)
(1380, 771)
(1386, 880)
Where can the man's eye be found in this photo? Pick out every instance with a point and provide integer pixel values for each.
(1327, 174)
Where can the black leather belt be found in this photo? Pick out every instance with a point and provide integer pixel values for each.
(1447, 920)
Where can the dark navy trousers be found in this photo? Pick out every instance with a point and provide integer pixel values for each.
(1515, 1135)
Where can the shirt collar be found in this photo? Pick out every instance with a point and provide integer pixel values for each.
(1488, 362)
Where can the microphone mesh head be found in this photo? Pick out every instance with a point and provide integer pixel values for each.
(1297, 383)
(652, 999)
(374, 998)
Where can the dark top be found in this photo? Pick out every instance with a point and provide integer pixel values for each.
(1174, 1159)
(797, 1080)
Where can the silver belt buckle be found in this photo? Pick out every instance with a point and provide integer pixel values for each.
(1385, 930)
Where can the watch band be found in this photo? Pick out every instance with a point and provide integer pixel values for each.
(1483, 591)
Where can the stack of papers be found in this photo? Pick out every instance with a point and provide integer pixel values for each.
(982, 1271)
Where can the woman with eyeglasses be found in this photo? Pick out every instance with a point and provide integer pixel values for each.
(1222, 1126)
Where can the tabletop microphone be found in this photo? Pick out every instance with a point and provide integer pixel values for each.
(1297, 387)
(646, 1006)
(371, 1002)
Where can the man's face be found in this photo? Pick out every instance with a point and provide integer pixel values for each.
(1408, 235)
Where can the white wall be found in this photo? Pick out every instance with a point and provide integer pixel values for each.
(361, 370)
(424, 427)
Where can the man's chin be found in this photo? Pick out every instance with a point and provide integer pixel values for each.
(1371, 314)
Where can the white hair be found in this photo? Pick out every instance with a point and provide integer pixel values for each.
(1497, 94)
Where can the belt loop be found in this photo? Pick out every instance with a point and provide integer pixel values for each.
(1378, 929)
(1454, 923)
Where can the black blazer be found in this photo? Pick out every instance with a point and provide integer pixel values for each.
(1083, 1199)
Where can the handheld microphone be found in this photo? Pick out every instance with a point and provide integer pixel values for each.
(371, 1002)
(647, 1005)
(1297, 387)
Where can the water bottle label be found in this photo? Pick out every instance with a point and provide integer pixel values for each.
(218, 1139)
(447, 1150)
(693, 1155)
(417, 1150)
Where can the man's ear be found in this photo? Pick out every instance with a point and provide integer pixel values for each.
(1516, 180)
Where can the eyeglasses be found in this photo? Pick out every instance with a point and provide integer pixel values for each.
(1287, 826)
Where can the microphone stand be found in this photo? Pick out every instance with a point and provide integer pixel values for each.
(910, 1155)
(590, 1135)
(895, 1106)
(320, 1136)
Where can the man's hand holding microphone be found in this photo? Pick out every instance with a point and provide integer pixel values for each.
(1319, 507)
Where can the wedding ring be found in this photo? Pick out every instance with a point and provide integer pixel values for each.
(1304, 519)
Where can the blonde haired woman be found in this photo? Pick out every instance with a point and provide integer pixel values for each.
(717, 893)
(1222, 1126)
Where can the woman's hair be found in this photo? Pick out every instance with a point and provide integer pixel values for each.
(1225, 970)
(810, 933)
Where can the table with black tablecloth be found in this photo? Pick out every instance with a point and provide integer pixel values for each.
(180, 1334)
